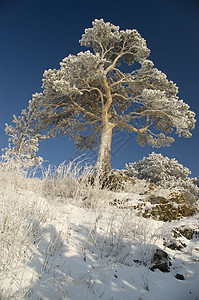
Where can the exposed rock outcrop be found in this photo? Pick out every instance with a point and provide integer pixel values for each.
(176, 206)
(181, 235)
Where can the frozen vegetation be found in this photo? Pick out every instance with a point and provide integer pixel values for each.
(63, 238)
(81, 233)
(91, 98)
(162, 171)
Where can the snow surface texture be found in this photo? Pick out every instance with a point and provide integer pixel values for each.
(74, 245)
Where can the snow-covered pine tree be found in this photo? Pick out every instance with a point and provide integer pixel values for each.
(162, 171)
(90, 96)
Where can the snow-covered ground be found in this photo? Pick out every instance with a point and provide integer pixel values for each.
(62, 248)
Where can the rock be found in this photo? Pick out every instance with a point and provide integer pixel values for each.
(183, 198)
(188, 232)
(176, 206)
(116, 180)
(120, 203)
(179, 276)
(157, 200)
(160, 261)
(162, 212)
(179, 235)
(189, 198)
(175, 245)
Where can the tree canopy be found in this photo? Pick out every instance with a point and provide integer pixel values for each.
(91, 95)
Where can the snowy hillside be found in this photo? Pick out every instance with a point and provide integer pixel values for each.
(63, 239)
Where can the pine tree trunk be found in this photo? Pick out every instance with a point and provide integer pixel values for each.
(103, 165)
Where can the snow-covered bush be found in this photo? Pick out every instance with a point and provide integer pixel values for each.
(162, 171)
(12, 173)
(64, 181)
(124, 237)
(18, 175)
(71, 181)
(21, 220)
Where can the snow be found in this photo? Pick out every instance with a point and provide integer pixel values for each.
(72, 251)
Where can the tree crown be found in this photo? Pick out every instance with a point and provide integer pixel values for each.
(90, 90)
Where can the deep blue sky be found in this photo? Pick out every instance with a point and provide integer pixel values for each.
(37, 35)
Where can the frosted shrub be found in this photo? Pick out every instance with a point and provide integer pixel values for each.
(20, 228)
(66, 180)
(21, 220)
(13, 171)
(125, 238)
(162, 171)
(73, 181)
(95, 197)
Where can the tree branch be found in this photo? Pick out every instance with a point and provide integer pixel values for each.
(84, 110)
(118, 82)
(94, 135)
(94, 89)
(132, 128)
(107, 51)
(114, 63)
(118, 71)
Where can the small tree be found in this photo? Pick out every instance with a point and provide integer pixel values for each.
(162, 171)
(23, 142)
(90, 96)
